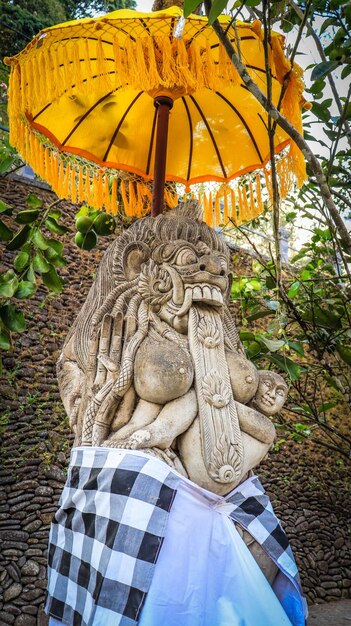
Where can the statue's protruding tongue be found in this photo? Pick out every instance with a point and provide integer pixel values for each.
(219, 424)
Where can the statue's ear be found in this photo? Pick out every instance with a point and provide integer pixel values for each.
(134, 255)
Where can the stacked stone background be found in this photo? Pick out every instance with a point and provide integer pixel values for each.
(310, 487)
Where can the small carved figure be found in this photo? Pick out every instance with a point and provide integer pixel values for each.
(271, 393)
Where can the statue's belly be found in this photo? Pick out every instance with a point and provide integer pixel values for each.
(190, 450)
(163, 371)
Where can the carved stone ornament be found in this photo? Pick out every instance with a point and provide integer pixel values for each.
(154, 361)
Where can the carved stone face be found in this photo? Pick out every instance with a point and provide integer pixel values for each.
(271, 393)
(180, 273)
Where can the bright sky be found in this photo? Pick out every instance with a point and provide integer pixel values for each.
(144, 5)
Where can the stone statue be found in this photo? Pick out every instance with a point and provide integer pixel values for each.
(154, 361)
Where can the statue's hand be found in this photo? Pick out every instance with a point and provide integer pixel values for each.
(103, 369)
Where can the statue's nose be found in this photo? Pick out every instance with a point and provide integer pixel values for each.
(212, 264)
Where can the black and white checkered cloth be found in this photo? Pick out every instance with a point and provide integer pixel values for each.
(106, 536)
(108, 531)
(253, 510)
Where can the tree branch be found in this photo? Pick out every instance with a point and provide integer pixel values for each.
(289, 129)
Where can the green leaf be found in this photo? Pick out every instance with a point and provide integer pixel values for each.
(53, 281)
(21, 261)
(40, 264)
(254, 349)
(297, 347)
(321, 112)
(326, 406)
(287, 365)
(294, 289)
(54, 227)
(190, 6)
(12, 318)
(55, 213)
(305, 275)
(253, 284)
(5, 164)
(55, 259)
(5, 340)
(5, 233)
(55, 245)
(217, 7)
(20, 238)
(4, 207)
(325, 319)
(25, 289)
(259, 315)
(39, 240)
(322, 69)
(27, 217)
(30, 274)
(344, 352)
(270, 282)
(33, 201)
(246, 335)
(330, 21)
(7, 289)
(345, 72)
(272, 345)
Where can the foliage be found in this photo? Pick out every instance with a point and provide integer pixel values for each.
(301, 328)
(37, 256)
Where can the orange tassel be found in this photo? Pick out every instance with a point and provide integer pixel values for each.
(94, 190)
(218, 218)
(100, 191)
(153, 73)
(114, 199)
(81, 194)
(59, 185)
(225, 209)
(259, 194)
(246, 205)
(132, 199)
(253, 208)
(107, 196)
(73, 186)
(241, 216)
(233, 203)
(88, 189)
(125, 202)
(66, 181)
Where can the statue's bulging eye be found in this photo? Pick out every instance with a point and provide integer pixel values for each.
(186, 257)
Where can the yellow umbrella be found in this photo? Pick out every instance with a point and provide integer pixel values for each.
(93, 98)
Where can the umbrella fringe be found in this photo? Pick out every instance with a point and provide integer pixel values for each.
(137, 63)
(70, 178)
(239, 205)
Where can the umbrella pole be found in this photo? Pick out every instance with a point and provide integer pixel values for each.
(163, 105)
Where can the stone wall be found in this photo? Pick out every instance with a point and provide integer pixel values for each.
(309, 487)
